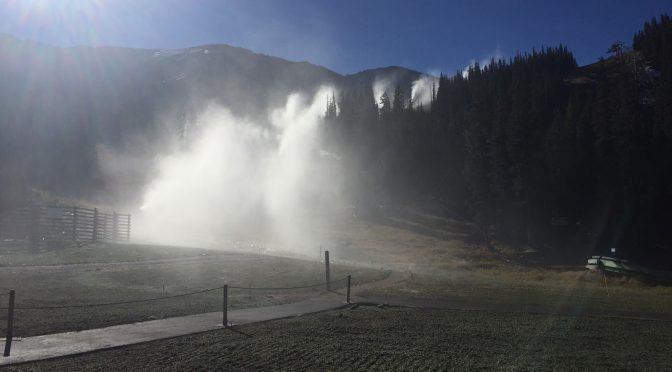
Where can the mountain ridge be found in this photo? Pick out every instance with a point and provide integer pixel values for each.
(59, 104)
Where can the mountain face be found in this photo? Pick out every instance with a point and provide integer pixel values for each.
(58, 105)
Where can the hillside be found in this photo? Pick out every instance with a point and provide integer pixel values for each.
(58, 105)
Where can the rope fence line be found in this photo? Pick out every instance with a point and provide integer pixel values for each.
(112, 303)
(225, 323)
(168, 297)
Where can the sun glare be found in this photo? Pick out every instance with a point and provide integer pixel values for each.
(72, 21)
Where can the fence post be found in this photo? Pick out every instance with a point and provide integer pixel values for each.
(347, 294)
(74, 224)
(95, 225)
(326, 268)
(10, 324)
(225, 306)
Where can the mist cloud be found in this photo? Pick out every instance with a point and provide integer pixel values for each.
(421, 90)
(236, 179)
(495, 55)
(381, 86)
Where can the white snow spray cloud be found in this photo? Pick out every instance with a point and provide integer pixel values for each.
(236, 180)
(380, 86)
(421, 90)
(496, 55)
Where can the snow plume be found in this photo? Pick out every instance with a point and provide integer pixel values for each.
(237, 180)
(496, 55)
(380, 86)
(422, 90)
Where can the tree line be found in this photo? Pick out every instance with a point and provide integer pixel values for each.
(535, 150)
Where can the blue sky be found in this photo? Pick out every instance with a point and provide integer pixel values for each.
(343, 35)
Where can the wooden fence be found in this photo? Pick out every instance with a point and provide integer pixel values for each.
(53, 225)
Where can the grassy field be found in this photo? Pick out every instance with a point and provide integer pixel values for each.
(399, 244)
(370, 338)
(432, 261)
(96, 253)
(510, 289)
(104, 283)
(439, 264)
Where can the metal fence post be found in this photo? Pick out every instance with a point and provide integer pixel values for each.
(326, 268)
(225, 306)
(347, 294)
(10, 324)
